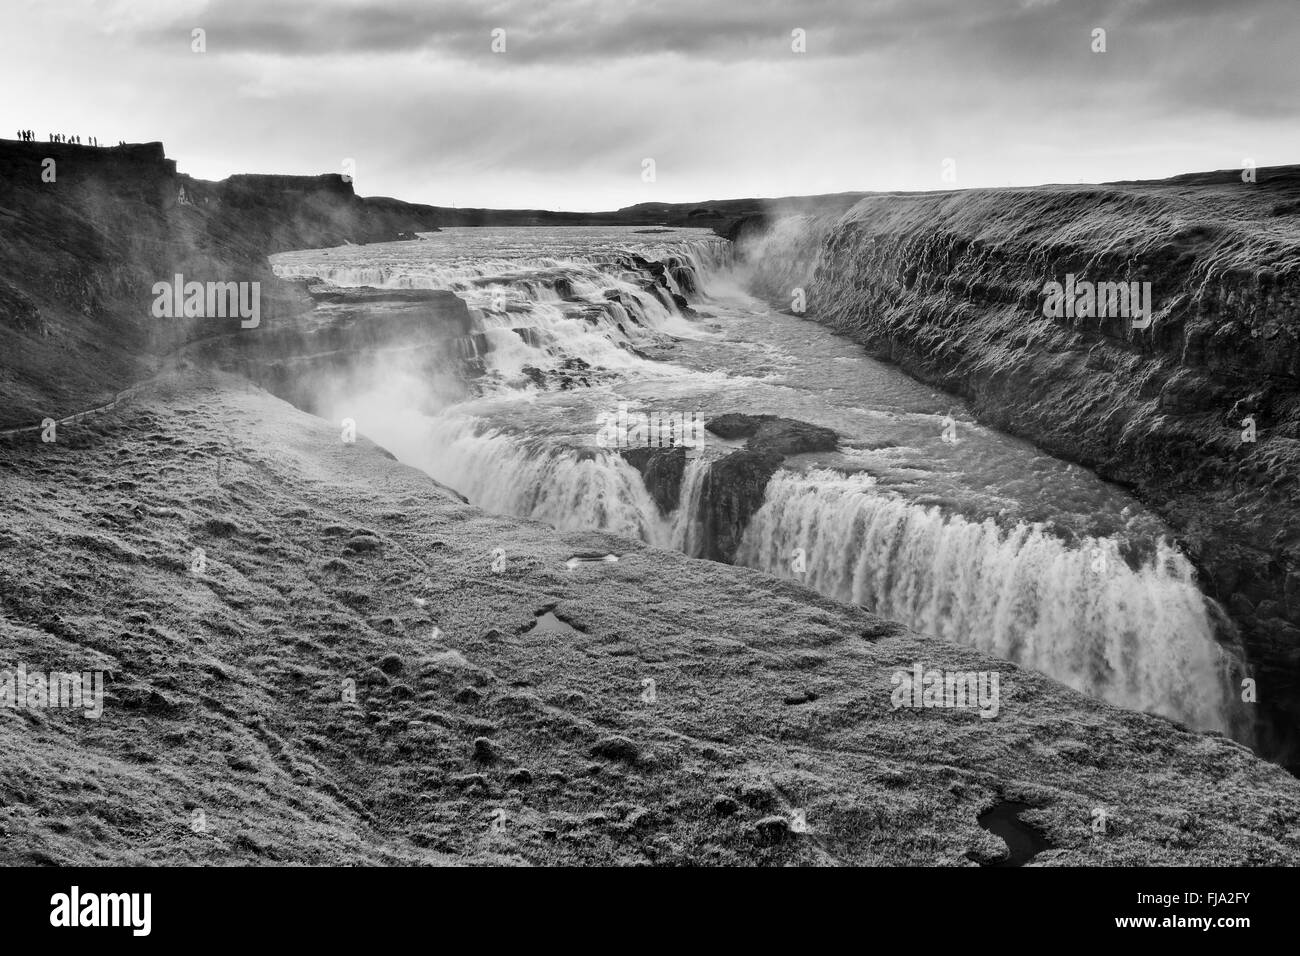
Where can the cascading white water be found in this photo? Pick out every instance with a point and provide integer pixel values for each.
(515, 305)
(567, 488)
(1140, 638)
(687, 535)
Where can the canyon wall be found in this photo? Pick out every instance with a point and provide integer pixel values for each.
(86, 232)
(951, 287)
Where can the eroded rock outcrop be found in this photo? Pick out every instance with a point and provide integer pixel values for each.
(734, 486)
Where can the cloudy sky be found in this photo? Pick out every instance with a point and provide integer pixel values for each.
(711, 90)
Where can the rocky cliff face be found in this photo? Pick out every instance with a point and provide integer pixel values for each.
(86, 232)
(951, 286)
(359, 342)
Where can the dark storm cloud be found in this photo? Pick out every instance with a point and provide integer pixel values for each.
(542, 31)
(1157, 49)
(559, 30)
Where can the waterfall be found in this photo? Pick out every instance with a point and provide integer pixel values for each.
(1140, 635)
(687, 534)
(1141, 638)
(567, 488)
(537, 311)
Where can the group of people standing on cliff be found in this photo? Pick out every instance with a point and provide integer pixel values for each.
(29, 136)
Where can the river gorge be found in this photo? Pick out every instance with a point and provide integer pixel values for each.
(912, 508)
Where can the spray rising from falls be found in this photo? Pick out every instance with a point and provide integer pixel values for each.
(1140, 638)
